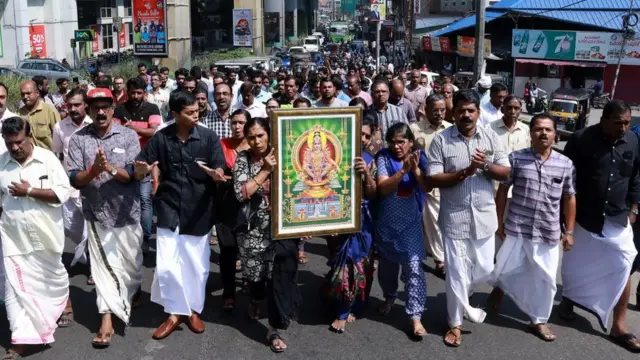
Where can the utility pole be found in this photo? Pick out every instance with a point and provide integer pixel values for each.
(282, 27)
(479, 41)
(378, 26)
(625, 28)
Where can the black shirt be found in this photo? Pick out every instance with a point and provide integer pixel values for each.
(607, 180)
(186, 193)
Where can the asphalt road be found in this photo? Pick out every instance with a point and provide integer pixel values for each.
(373, 337)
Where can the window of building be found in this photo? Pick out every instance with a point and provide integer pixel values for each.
(130, 32)
(107, 36)
(107, 8)
(127, 8)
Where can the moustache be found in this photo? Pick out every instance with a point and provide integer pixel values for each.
(101, 117)
(543, 137)
(466, 120)
(74, 113)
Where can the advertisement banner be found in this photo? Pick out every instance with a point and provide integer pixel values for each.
(466, 46)
(544, 44)
(378, 10)
(38, 41)
(417, 6)
(592, 46)
(440, 44)
(149, 28)
(95, 44)
(242, 27)
(123, 37)
(631, 50)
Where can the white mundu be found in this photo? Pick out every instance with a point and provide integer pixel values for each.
(32, 232)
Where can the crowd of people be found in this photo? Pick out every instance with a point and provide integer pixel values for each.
(445, 172)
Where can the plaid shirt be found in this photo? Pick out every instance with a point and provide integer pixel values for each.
(219, 125)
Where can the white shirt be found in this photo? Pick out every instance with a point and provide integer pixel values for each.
(488, 114)
(62, 132)
(161, 100)
(257, 109)
(28, 224)
(7, 114)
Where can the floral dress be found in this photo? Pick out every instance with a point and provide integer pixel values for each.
(255, 245)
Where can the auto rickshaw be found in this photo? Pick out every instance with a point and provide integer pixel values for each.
(570, 109)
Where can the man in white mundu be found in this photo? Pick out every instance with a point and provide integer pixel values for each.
(100, 164)
(33, 185)
(527, 263)
(190, 160)
(596, 272)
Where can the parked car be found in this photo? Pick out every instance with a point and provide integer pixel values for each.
(51, 68)
(297, 50)
(8, 71)
(311, 44)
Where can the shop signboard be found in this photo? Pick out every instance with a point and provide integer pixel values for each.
(95, 43)
(38, 41)
(575, 46)
(150, 28)
(242, 27)
(440, 44)
(466, 46)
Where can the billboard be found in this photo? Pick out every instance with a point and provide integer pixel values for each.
(466, 46)
(441, 44)
(150, 28)
(378, 10)
(242, 27)
(38, 41)
(95, 43)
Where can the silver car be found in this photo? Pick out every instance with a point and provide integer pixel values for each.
(51, 68)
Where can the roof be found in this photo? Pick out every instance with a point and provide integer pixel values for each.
(609, 20)
(563, 4)
(434, 21)
(469, 21)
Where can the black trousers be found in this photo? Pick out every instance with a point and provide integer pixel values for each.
(228, 256)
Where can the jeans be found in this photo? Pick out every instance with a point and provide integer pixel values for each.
(146, 208)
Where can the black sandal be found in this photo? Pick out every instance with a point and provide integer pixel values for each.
(272, 338)
(254, 310)
(228, 305)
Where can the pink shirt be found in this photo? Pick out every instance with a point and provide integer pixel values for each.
(366, 97)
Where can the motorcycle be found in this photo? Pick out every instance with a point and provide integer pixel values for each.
(598, 101)
(540, 103)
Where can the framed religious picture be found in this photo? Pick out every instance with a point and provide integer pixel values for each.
(315, 189)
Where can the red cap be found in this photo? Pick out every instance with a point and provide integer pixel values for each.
(99, 93)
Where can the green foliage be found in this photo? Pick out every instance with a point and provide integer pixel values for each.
(205, 60)
(13, 87)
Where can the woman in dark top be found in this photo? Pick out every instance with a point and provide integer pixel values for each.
(226, 228)
(265, 261)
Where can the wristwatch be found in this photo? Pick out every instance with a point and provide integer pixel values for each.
(634, 211)
(486, 167)
(114, 171)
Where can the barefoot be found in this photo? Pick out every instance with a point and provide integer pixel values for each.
(418, 328)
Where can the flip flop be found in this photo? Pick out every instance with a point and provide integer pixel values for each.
(420, 331)
(272, 338)
(627, 341)
(546, 334)
(458, 338)
(386, 308)
(104, 340)
(66, 319)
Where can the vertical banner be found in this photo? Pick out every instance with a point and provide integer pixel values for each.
(1, 44)
(123, 37)
(417, 7)
(38, 41)
(242, 27)
(378, 10)
(150, 28)
(95, 44)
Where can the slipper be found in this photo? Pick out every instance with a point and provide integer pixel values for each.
(458, 338)
(386, 308)
(102, 341)
(272, 338)
(420, 331)
(627, 341)
(12, 355)
(66, 319)
(544, 333)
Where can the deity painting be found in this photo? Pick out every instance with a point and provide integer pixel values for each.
(242, 28)
(316, 190)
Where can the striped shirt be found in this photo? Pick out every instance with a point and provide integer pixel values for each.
(538, 186)
(386, 118)
(221, 126)
(468, 209)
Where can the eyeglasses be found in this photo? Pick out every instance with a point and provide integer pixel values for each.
(105, 107)
(366, 136)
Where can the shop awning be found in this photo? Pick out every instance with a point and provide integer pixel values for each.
(562, 62)
(490, 57)
(468, 22)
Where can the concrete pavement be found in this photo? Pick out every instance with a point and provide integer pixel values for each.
(373, 337)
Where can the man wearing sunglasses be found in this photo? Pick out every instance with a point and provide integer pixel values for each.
(100, 165)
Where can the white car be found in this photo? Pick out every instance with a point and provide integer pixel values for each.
(297, 50)
(311, 44)
(320, 37)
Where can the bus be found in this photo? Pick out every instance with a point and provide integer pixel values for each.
(339, 31)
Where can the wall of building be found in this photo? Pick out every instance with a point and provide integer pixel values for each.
(59, 18)
(627, 87)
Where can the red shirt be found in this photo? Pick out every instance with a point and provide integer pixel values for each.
(143, 117)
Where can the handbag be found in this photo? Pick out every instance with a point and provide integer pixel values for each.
(248, 214)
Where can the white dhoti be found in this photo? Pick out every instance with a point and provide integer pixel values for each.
(75, 228)
(116, 266)
(468, 264)
(526, 272)
(37, 289)
(432, 234)
(597, 269)
(182, 269)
